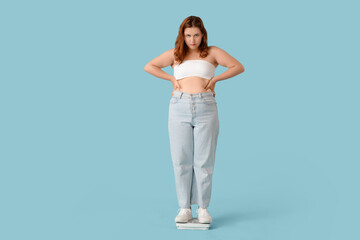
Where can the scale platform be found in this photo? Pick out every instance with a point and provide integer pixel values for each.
(193, 225)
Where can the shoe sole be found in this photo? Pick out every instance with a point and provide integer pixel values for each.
(183, 221)
(205, 221)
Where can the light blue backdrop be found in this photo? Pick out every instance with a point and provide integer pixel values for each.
(85, 151)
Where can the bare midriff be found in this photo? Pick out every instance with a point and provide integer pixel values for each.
(193, 84)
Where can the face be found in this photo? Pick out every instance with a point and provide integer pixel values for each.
(193, 37)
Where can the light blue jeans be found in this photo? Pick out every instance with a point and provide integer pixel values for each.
(193, 130)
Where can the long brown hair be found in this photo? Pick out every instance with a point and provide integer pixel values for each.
(181, 48)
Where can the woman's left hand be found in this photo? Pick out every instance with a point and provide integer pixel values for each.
(210, 86)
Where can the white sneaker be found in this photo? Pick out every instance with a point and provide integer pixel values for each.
(184, 216)
(203, 215)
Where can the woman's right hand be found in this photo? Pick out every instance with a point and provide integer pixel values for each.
(176, 85)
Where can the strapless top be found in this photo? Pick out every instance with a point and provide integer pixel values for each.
(198, 67)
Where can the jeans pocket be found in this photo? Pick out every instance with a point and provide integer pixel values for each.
(174, 100)
(209, 100)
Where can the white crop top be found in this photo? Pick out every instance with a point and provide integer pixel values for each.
(198, 67)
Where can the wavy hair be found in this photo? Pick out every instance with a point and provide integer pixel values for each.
(181, 49)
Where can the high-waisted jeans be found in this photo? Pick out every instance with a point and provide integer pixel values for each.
(193, 130)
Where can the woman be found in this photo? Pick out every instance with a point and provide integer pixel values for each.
(193, 117)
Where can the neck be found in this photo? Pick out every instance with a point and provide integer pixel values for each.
(193, 51)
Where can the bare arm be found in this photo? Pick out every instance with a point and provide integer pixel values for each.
(226, 60)
(155, 65)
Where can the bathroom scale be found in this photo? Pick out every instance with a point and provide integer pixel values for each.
(193, 225)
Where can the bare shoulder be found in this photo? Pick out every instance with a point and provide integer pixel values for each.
(163, 60)
(215, 50)
(213, 54)
(222, 57)
(171, 53)
(170, 56)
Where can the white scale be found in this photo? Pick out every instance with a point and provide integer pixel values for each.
(193, 225)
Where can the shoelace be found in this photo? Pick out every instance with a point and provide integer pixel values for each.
(184, 210)
(203, 212)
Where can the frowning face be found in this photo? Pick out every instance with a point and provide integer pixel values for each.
(193, 37)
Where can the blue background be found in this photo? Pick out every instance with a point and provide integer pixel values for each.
(85, 150)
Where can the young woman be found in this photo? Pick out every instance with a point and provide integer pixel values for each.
(193, 122)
